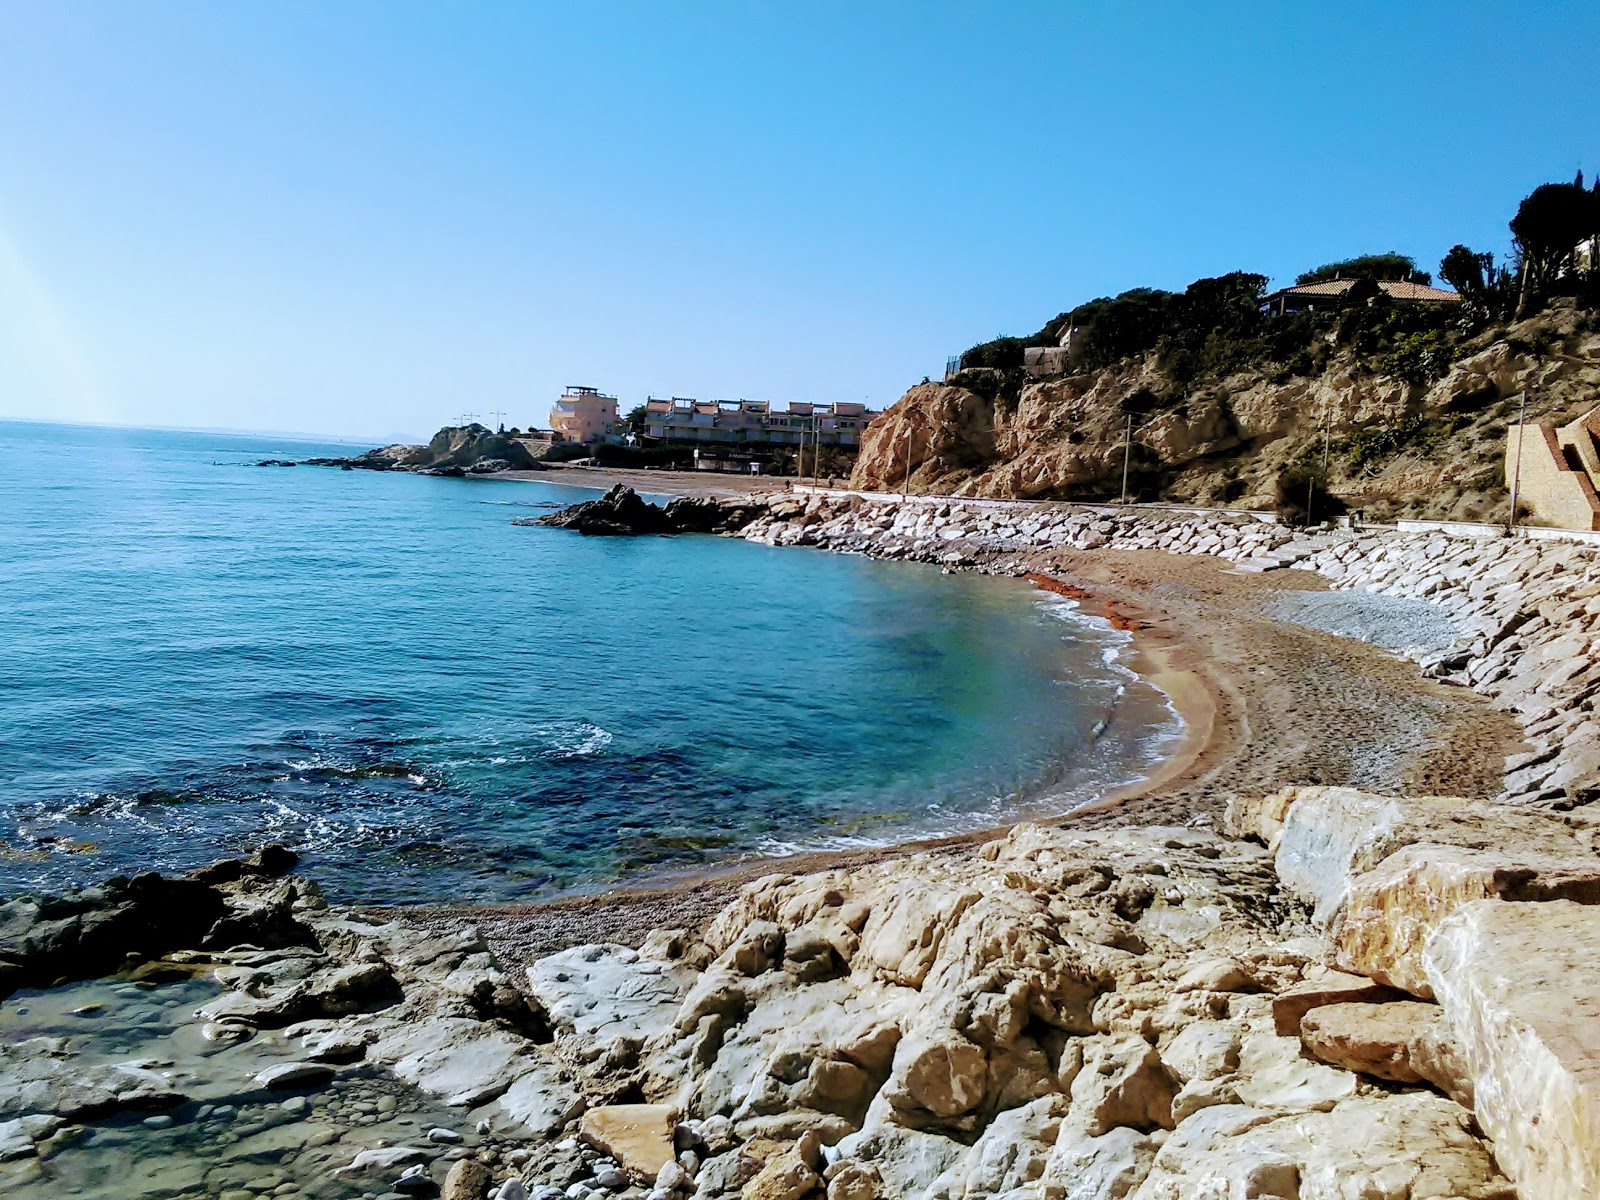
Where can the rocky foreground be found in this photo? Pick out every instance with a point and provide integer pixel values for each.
(1329, 994)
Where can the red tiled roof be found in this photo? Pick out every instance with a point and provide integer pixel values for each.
(1393, 288)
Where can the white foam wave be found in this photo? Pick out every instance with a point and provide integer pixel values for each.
(573, 739)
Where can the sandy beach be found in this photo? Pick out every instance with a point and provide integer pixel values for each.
(1265, 703)
(675, 483)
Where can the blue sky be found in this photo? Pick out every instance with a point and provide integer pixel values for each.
(366, 218)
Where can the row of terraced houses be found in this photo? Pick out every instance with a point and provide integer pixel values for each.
(584, 414)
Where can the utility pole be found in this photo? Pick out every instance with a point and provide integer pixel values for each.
(1516, 473)
(816, 450)
(1127, 450)
(905, 487)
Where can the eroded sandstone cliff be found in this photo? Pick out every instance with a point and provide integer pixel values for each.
(1396, 446)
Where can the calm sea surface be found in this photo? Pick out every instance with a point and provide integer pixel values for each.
(198, 655)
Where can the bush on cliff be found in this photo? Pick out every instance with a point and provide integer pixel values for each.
(1003, 353)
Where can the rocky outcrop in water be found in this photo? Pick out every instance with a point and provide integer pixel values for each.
(622, 512)
(95, 931)
(454, 451)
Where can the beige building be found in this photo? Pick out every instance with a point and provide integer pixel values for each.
(1554, 470)
(583, 415)
(755, 422)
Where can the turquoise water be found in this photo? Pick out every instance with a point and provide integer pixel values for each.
(198, 655)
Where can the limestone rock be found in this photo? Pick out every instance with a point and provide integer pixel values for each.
(1413, 1146)
(1122, 1083)
(1404, 1041)
(1274, 1074)
(14, 1141)
(789, 1175)
(1203, 1050)
(293, 1075)
(639, 1136)
(1290, 1006)
(1108, 1167)
(605, 991)
(855, 1182)
(1011, 1153)
(907, 1161)
(1392, 910)
(468, 1179)
(1519, 991)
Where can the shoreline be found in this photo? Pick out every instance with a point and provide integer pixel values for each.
(817, 1012)
(691, 896)
(716, 484)
(1193, 659)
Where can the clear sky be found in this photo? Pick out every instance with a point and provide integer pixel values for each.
(366, 218)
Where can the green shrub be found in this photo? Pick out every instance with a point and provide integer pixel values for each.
(1003, 352)
(1419, 358)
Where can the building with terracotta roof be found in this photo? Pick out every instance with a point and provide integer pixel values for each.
(1331, 294)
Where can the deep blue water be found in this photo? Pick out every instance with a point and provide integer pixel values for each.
(198, 655)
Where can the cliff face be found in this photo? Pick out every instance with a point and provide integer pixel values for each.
(1395, 446)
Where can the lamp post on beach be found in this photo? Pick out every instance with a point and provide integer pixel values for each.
(1516, 471)
(905, 483)
(1127, 452)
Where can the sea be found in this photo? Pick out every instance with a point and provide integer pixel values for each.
(432, 705)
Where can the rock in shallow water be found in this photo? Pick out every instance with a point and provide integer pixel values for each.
(288, 1076)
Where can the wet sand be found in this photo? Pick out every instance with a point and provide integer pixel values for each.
(1266, 703)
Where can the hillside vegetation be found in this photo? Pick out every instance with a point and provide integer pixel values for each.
(1394, 408)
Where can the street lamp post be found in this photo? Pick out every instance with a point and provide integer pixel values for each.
(1516, 471)
(1127, 451)
(905, 484)
(816, 451)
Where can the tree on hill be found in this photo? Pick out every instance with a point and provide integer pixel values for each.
(1390, 267)
(1003, 352)
(1550, 223)
(1468, 272)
